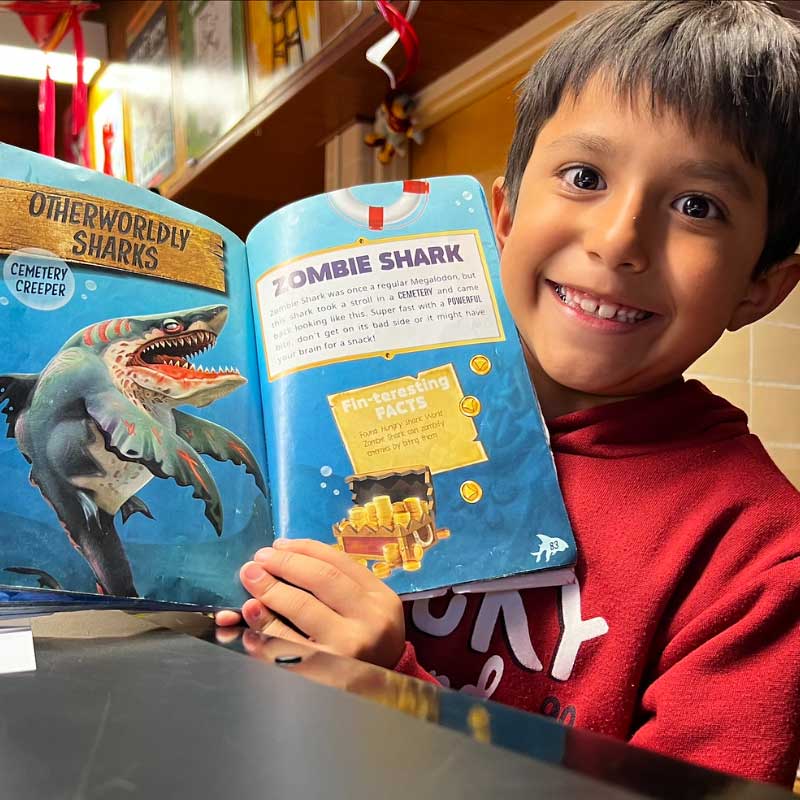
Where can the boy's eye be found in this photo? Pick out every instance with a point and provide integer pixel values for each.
(698, 207)
(584, 178)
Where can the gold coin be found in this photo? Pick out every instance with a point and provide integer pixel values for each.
(471, 491)
(391, 553)
(470, 406)
(480, 365)
(383, 509)
(417, 552)
(411, 566)
(380, 569)
(414, 507)
(401, 518)
(357, 516)
(372, 515)
(443, 533)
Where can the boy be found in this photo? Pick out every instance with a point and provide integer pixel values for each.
(650, 202)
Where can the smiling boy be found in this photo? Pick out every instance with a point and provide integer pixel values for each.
(650, 203)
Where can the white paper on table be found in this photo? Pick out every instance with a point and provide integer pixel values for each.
(16, 646)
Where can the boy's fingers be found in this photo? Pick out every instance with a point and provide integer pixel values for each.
(264, 622)
(300, 608)
(227, 618)
(226, 635)
(324, 580)
(255, 644)
(255, 615)
(325, 552)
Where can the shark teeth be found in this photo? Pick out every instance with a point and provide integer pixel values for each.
(215, 372)
(174, 351)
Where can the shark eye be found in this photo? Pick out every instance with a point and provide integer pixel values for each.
(171, 326)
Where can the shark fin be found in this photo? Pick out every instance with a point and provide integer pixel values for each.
(133, 505)
(15, 392)
(133, 435)
(219, 443)
(44, 579)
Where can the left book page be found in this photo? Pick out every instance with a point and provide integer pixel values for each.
(133, 455)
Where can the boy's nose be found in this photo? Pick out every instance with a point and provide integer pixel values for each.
(614, 235)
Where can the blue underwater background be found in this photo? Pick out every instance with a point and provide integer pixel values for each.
(177, 556)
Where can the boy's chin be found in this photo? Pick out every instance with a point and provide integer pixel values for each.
(602, 385)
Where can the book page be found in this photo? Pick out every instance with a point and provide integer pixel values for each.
(401, 422)
(134, 463)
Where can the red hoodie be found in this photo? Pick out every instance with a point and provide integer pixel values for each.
(681, 634)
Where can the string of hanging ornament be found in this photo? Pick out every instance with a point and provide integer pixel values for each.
(48, 22)
(394, 123)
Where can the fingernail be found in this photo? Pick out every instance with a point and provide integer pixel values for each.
(253, 572)
(278, 543)
(263, 554)
(256, 612)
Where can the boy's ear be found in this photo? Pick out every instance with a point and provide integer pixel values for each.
(501, 213)
(767, 291)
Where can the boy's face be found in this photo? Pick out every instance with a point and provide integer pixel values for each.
(632, 246)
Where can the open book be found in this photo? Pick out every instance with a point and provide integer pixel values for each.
(176, 398)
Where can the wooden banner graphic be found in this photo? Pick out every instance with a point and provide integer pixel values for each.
(104, 234)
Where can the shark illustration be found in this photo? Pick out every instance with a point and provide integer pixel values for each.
(549, 545)
(100, 421)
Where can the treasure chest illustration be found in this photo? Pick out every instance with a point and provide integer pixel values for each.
(393, 520)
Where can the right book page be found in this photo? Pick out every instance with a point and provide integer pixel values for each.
(401, 423)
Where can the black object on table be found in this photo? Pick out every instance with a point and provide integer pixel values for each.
(165, 714)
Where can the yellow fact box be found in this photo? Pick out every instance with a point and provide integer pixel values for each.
(411, 420)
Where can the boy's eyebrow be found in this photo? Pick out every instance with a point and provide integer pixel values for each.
(588, 141)
(725, 174)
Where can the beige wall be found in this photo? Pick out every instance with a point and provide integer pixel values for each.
(757, 369)
(473, 141)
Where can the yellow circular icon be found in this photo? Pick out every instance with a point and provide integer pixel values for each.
(480, 365)
(471, 491)
(470, 406)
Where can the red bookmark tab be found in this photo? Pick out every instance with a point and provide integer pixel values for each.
(416, 187)
(376, 218)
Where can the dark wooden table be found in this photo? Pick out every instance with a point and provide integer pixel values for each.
(184, 712)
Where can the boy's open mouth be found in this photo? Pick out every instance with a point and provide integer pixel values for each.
(597, 306)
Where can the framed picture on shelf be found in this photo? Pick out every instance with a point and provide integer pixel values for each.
(214, 87)
(149, 98)
(282, 35)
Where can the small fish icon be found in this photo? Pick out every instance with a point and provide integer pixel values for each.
(548, 546)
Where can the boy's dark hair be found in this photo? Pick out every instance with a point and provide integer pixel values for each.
(733, 63)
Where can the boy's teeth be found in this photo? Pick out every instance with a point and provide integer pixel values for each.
(599, 308)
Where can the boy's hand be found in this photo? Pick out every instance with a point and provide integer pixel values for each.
(227, 618)
(339, 605)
